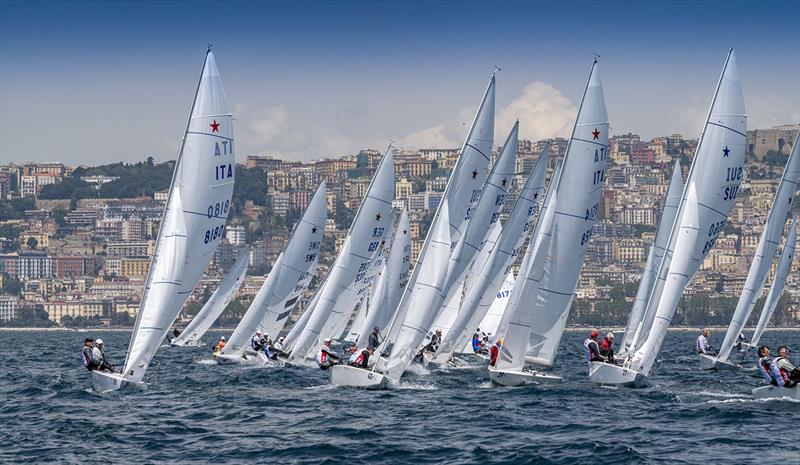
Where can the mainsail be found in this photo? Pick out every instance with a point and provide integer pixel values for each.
(775, 291)
(579, 189)
(638, 323)
(411, 322)
(363, 243)
(220, 299)
(765, 253)
(197, 209)
(486, 281)
(391, 283)
(519, 315)
(287, 280)
(708, 197)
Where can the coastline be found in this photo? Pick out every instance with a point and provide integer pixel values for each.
(573, 329)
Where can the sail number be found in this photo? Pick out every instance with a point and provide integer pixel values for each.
(713, 234)
(223, 171)
(377, 232)
(214, 234)
(218, 208)
(599, 176)
(734, 174)
(591, 213)
(586, 236)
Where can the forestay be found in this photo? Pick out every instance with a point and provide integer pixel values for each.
(579, 189)
(486, 281)
(218, 301)
(708, 197)
(287, 280)
(363, 243)
(197, 209)
(638, 323)
(765, 253)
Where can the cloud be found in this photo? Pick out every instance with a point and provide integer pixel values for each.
(542, 110)
(433, 137)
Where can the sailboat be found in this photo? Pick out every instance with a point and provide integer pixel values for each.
(762, 262)
(579, 189)
(639, 323)
(784, 266)
(490, 323)
(365, 240)
(709, 195)
(422, 297)
(509, 370)
(283, 287)
(775, 291)
(218, 301)
(485, 281)
(390, 285)
(192, 225)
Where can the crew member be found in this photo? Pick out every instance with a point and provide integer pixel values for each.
(100, 357)
(88, 356)
(590, 348)
(495, 352)
(607, 347)
(374, 337)
(220, 345)
(476, 343)
(765, 365)
(326, 358)
(786, 374)
(436, 339)
(703, 346)
(361, 359)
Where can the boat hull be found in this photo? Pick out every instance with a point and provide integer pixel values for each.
(345, 375)
(708, 362)
(521, 378)
(615, 375)
(103, 381)
(777, 392)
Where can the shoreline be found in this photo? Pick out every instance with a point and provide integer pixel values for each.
(615, 329)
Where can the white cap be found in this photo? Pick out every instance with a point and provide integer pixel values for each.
(327, 339)
(610, 335)
(98, 341)
(222, 338)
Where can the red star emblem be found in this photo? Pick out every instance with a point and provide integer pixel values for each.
(596, 134)
(215, 126)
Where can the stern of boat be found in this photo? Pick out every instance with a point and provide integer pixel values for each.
(104, 381)
(777, 392)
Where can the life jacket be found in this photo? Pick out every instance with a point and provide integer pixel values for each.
(493, 353)
(784, 375)
(221, 345)
(702, 344)
(88, 360)
(476, 344)
(765, 368)
(590, 349)
(605, 345)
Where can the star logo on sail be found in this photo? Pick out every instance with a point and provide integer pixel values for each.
(378, 217)
(314, 230)
(596, 134)
(214, 126)
(404, 231)
(725, 152)
(474, 174)
(504, 182)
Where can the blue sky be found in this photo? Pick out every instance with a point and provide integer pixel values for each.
(93, 82)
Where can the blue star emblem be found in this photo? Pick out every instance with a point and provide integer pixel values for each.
(725, 152)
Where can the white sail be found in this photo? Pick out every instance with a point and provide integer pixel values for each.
(491, 322)
(287, 280)
(579, 190)
(364, 242)
(519, 313)
(482, 217)
(485, 282)
(218, 301)
(775, 291)
(194, 220)
(709, 195)
(358, 321)
(765, 252)
(638, 323)
(427, 288)
(461, 195)
(391, 283)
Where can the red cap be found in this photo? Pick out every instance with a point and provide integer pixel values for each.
(594, 333)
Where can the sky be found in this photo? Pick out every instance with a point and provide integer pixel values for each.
(100, 82)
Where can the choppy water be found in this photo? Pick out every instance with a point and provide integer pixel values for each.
(198, 412)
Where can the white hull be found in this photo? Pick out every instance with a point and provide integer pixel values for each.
(345, 375)
(777, 392)
(103, 381)
(521, 378)
(614, 375)
(191, 343)
(708, 362)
